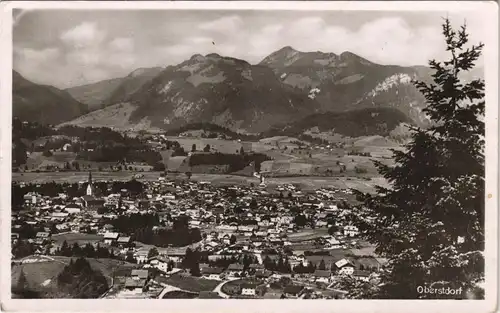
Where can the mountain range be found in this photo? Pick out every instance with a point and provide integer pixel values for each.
(41, 103)
(283, 88)
(100, 94)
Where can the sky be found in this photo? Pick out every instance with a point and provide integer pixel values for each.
(67, 48)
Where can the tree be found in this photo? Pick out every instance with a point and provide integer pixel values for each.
(193, 148)
(76, 250)
(130, 258)
(188, 174)
(242, 151)
(300, 220)
(170, 266)
(152, 252)
(430, 222)
(232, 239)
(333, 229)
(322, 265)
(22, 282)
(65, 249)
(76, 165)
(207, 148)
(19, 153)
(159, 167)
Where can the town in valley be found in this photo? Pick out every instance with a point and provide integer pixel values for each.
(171, 234)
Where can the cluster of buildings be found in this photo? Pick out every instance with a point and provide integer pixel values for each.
(308, 232)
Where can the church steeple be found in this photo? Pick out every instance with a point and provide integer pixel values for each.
(89, 185)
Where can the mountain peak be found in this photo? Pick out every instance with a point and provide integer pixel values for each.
(349, 56)
(143, 70)
(287, 49)
(214, 56)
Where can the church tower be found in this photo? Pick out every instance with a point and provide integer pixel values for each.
(89, 185)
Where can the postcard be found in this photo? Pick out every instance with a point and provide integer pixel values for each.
(249, 156)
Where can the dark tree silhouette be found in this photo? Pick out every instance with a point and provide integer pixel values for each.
(430, 223)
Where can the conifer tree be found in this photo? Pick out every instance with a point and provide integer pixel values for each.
(430, 222)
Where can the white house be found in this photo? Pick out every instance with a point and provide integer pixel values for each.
(351, 231)
(159, 262)
(362, 275)
(141, 256)
(109, 238)
(213, 273)
(322, 276)
(345, 267)
(248, 289)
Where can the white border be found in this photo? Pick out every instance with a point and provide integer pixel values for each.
(489, 12)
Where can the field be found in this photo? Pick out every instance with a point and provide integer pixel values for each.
(79, 238)
(307, 183)
(179, 294)
(191, 284)
(307, 234)
(117, 115)
(41, 272)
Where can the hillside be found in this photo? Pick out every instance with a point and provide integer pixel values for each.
(347, 81)
(219, 90)
(95, 95)
(355, 123)
(42, 104)
(130, 84)
(283, 88)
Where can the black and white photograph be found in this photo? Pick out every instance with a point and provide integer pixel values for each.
(233, 151)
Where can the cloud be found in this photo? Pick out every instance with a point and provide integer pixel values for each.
(81, 50)
(34, 55)
(224, 24)
(199, 40)
(83, 35)
(122, 44)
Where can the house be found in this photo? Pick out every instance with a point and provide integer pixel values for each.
(322, 276)
(143, 204)
(110, 238)
(234, 269)
(42, 237)
(62, 227)
(123, 241)
(141, 256)
(159, 262)
(344, 267)
(139, 274)
(14, 237)
(226, 239)
(263, 274)
(136, 285)
(256, 267)
(351, 231)
(72, 209)
(194, 224)
(213, 273)
(293, 291)
(248, 289)
(361, 275)
(91, 202)
(59, 216)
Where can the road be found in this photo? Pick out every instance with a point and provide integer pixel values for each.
(167, 288)
(218, 288)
